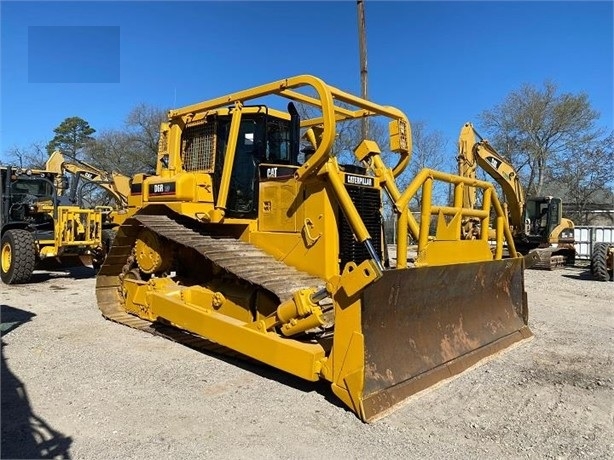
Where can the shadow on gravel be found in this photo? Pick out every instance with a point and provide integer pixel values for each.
(585, 275)
(321, 387)
(24, 434)
(11, 318)
(234, 358)
(76, 273)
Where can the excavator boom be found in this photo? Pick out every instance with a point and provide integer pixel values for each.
(116, 184)
(474, 153)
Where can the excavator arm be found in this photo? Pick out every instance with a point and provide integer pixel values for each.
(472, 153)
(116, 184)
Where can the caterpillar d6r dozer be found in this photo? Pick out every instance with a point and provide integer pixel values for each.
(275, 251)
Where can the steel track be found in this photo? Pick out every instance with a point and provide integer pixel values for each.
(238, 258)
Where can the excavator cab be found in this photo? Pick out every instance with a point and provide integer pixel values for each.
(543, 215)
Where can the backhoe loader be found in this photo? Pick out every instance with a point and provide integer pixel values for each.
(252, 236)
(38, 229)
(536, 223)
(107, 192)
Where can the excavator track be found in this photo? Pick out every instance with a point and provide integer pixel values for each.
(236, 257)
(546, 260)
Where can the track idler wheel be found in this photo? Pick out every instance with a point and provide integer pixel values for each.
(153, 254)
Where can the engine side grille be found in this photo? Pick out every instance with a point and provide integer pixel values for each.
(163, 142)
(367, 202)
(198, 147)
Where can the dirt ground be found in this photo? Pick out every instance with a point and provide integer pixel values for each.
(77, 386)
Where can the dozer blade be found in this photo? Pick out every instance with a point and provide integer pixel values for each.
(424, 325)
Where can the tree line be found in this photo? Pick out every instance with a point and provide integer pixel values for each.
(554, 141)
(551, 137)
(129, 149)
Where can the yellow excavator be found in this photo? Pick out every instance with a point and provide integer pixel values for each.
(253, 237)
(536, 223)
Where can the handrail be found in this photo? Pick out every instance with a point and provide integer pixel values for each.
(424, 182)
(325, 99)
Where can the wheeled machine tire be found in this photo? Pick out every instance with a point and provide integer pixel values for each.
(599, 262)
(17, 256)
(108, 235)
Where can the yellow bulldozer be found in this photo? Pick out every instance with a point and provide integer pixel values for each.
(252, 236)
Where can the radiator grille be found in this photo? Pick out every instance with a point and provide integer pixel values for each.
(198, 147)
(163, 142)
(367, 202)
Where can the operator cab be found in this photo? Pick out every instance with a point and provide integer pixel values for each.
(33, 188)
(21, 193)
(265, 141)
(543, 215)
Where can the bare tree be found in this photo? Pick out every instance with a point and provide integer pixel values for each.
(428, 151)
(116, 150)
(143, 126)
(533, 126)
(33, 156)
(586, 177)
(132, 148)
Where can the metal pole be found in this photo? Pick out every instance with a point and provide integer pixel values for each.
(362, 44)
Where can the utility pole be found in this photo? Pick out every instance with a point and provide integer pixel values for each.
(362, 46)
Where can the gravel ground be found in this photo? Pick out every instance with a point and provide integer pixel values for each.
(77, 386)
